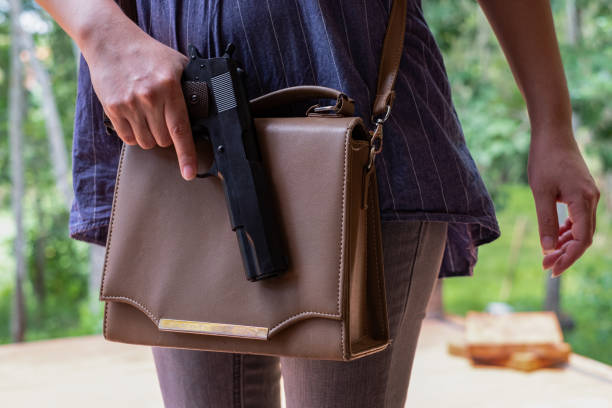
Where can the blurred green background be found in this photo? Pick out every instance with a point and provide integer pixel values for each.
(60, 276)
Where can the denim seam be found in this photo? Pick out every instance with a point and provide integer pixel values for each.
(414, 258)
(416, 251)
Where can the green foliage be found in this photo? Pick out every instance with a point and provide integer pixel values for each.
(488, 102)
(6, 297)
(4, 148)
(497, 132)
(62, 66)
(585, 287)
(66, 286)
(463, 294)
(55, 308)
(56, 285)
(586, 297)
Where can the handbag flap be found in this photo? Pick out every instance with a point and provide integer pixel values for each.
(171, 252)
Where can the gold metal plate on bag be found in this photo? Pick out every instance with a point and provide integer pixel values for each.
(219, 329)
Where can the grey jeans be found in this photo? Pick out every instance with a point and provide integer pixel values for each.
(412, 255)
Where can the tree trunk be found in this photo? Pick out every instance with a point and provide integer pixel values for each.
(38, 278)
(574, 22)
(483, 35)
(55, 134)
(16, 108)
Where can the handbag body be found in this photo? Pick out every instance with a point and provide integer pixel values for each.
(173, 274)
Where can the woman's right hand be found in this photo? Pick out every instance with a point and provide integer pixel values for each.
(138, 82)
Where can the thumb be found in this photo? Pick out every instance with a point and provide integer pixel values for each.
(548, 223)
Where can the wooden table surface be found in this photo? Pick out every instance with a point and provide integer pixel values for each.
(441, 380)
(91, 372)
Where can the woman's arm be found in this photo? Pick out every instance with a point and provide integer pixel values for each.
(556, 170)
(136, 78)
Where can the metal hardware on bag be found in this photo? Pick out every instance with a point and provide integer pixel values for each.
(331, 110)
(377, 135)
(319, 109)
(384, 119)
(219, 329)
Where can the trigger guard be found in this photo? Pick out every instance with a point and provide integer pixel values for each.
(212, 172)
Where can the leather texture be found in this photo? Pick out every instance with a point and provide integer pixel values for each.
(391, 56)
(267, 103)
(173, 255)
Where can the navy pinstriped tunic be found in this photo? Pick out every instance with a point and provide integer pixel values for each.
(425, 171)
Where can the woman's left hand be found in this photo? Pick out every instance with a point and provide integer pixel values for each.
(556, 171)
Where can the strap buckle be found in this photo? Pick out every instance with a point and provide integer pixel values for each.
(384, 118)
(376, 140)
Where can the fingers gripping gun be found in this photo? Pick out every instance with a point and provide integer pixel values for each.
(218, 107)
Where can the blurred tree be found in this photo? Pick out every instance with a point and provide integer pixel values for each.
(53, 277)
(574, 24)
(55, 134)
(491, 108)
(16, 101)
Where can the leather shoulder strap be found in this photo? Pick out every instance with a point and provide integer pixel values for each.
(390, 59)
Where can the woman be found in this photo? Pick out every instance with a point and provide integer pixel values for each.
(434, 205)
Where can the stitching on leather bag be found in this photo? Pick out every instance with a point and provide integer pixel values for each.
(110, 232)
(346, 144)
(142, 307)
(341, 257)
(134, 302)
(297, 315)
(347, 138)
(105, 329)
(155, 319)
(112, 222)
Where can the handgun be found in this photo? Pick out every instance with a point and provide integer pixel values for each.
(218, 105)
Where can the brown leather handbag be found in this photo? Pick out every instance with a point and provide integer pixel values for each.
(173, 274)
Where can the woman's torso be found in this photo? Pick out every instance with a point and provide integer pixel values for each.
(425, 170)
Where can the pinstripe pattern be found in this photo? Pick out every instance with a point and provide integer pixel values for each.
(331, 48)
(425, 170)
(280, 54)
